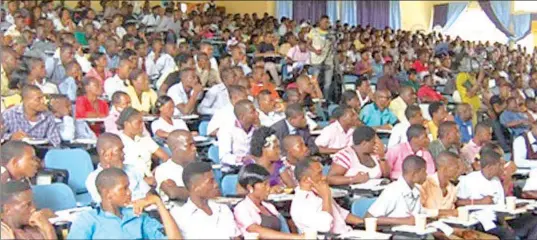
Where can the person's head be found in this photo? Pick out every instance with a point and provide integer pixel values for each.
(92, 86)
(307, 172)
(131, 121)
(324, 22)
(412, 75)
(362, 85)
(139, 80)
(265, 144)
(364, 138)
(464, 111)
(255, 179)
(265, 101)
(237, 93)
(417, 136)
(438, 112)
(182, 146)
(497, 103)
(189, 78)
(113, 187)
(482, 133)
(428, 80)
(448, 133)
(295, 148)
(295, 116)
(110, 151)
(414, 169)
(164, 106)
(531, 104)
(382, 99)
(33, 99)
(350, 98)
(20, 159)
(304, 84)
(37, 69)
(199, 180)
(491, 163)
(413, 114)
(124, 69)
(408, 94)
(346, 116)
(60, 105)
(9, 60)
(207, 49)
(292, 96)
(120, 100)
(512, 104)
(245, 112)
(449, 165)
(67, 53)
(17, 203)
(73, 70)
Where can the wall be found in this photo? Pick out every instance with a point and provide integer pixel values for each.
(416, 14)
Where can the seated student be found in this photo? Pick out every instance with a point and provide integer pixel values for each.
(417, 144)
(200, 218)
(295, 150)
(350, 98)
(482, 135)
(37, 76)
(168, 175)
(234, 137)
(449, 139)
(363, 90)
(70, 129)
(166, 123)
(225, 114)
(111, 155)
(72, 85)
(413, 116)
(295, 123)
(400, 201)
(412, 80)
(509, 168)
(253, 214)
(217, 96)
(261, 81)
(360, 162)
(139, 148)
(90, 105)
(338, 135)
(186, 93)
(143, 98)
(529, 191)
(514, 119)
(20, 220)
(298, 56)
(120, 101)
(484, 187)
(119, 82)
(208, 76)
(114, 220)
(463, 118)
(398, 105)
(31, 118)
(439, 114)
(427, 93)
(269, 110)
(313, 208)
(525, 148)
(377, 114)
(18, 162)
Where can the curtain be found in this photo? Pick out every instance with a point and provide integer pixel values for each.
(521, 26)
(440, 13)
(284, 9)
(310, 10)
(331, 11)
(453, 12)
(395, 14)
(374, 13)
(488, 8)
(348, 13)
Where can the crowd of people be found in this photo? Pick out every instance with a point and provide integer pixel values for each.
(292, 104)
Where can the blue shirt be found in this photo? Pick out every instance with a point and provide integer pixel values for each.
(113, 61)
(465, 128)
(372, 116)
(98, 224)
(509, 116)
(68, 87)
(71, 129)
(137, 185)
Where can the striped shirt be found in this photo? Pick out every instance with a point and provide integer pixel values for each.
(348, 159)
(44, 128)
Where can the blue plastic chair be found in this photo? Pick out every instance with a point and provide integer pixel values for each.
(349, 82)
(359, 207)
(202, 128)
(213, 154)
(332, 108)
(229, 185)
(56, 196)
(326, 169)
(76, 161)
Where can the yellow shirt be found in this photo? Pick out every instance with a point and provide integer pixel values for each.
(398, 107)
(464, 79)
(358, 44)
(433, 129)
(147, 101)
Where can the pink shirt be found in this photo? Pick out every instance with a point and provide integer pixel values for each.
(397, 154)
(333, 136)
(246, 213)
(93, 73)
(469, 152)
(298, 56)
(348, 159)
(110, 124)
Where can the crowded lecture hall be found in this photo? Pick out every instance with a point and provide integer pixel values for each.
(324, 119)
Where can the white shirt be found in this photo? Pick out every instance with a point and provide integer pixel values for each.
(531, 182)
(138, 152)
(269, 119)
(114, 84)
(398, 134)
(165, 24)
(84, 63)
(168, 170)
(179, 96)
(120, 32)
(47, 87)
(233, 143)
(363, 101)
(398, 200)
(139, 188)
(306, 211)
(150, 20)
(164, 64)
(212, 60)
(214, 99)
(520, 151)
(161, 124)
(223, 115)
(194, 223)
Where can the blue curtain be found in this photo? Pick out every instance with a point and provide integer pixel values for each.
(502, 10)
(373, 13)
(348, 13)
(522, 26)
(395, 14)
(455, 9)
(331, 11)
(440, 15)
(284, 9)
